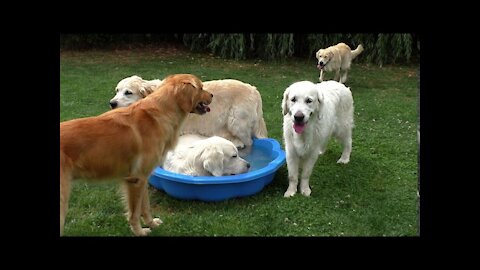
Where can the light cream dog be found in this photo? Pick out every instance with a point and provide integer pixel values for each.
(337, 58)
(236, 111)
(312, 113)
(127, 143)
(205, 156)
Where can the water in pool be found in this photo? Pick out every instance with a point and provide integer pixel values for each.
(258, 158)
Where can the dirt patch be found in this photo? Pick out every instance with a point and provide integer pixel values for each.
(124, 55)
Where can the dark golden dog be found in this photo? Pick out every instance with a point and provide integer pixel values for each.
(128, 143)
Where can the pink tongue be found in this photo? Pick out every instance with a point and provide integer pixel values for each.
(299, 128)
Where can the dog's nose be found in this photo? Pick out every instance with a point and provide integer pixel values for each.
(299, 117)
(321, 63)
(211, 94)
(113, 104)
(248, 165)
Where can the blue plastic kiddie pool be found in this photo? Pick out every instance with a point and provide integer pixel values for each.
(265, 158)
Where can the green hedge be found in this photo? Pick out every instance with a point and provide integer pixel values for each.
(380, 48)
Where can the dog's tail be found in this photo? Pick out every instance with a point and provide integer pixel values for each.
(357, 51)
(260, 129)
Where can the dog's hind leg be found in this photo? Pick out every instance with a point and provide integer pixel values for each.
(240, 127)
(346, 141)
(146, 212)
(337, 75)
(343, 79)
(65, 190)
(307, 168)
(134, 189)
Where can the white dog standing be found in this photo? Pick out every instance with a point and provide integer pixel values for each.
(201, 156)
(312, 114)
(236, 109)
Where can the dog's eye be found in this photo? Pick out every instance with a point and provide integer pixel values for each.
(294, 99)
(234, 156)
(309, 100)
(128, 93)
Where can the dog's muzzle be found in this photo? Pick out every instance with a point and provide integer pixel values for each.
(321, 65)
(202, 108)
(298, 122)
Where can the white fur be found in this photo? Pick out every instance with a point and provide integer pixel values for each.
(201, 156)
(236, 112)
(327, 109)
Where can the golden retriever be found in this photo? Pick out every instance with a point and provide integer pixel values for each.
(205, 156)
(312, 113)
(337, 58)
(128, 143)
(236, 114)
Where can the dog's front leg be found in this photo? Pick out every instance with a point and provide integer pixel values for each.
(337, 75)
(292, 166)
(321, 75)
(307, 167)
(146, 212)
(135, 191)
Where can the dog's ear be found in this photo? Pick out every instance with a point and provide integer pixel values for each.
(330, 55)
(213, 160)
(285, 108)
(147, 87)
(185, 95)
(320, 96)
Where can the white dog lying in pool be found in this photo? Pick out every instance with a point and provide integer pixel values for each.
(205, 156)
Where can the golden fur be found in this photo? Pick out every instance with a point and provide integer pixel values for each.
(236, 113)
(128, 143)
(337, 58)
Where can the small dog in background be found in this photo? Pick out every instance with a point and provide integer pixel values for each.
(337, 58)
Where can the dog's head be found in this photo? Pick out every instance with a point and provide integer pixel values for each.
(188, 93)
(323, 56)
(132, 89)
(301, 101)
(219, 157)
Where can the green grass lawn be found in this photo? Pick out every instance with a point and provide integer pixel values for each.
(373, 195)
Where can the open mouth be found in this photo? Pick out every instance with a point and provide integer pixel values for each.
(321, 66)
(299, 127)
(202, 107)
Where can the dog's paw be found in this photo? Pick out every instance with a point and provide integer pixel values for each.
(144, 232)
(155, 223)
(141, 231)
(343, 160)
(240, 146)
(289, 193)
(305, 191)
